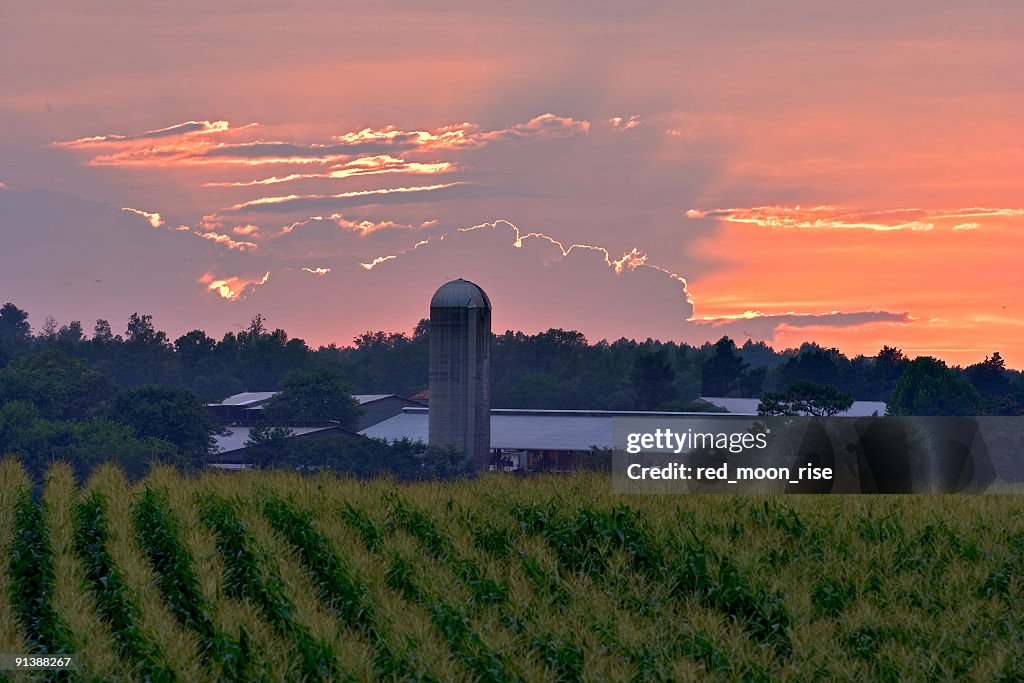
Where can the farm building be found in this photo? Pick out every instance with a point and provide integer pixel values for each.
(238, 413)
(233, 453)
(524, 440)
(748, 406)
(556, 440)
(247, 408)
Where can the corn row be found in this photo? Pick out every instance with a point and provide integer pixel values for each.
(90, 637)
(246, 577)
(262, 655)
(112, 593)
(14, 486)
(32, 581)
(582, 545)
(158, 533)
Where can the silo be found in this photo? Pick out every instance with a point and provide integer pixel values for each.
(460, 371)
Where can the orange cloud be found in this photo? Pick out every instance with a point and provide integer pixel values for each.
(357, 167)
(154, 218)
(294, 201)
(178, 130)
(227, 241)
(364, 227)
(232, 288)
(190, 144)
(845, 218)
(462, 135)
(620, 123)
(317, 271)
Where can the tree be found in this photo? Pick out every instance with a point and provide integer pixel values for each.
(173, 414)
(268, 445)
(141, 333)
(315, 395)
(995, 385)
(145, 356)
(990, 377)
(890, 364)
(70, 336)
(62, 388)
(721, 373)
(14, 323)
(805, 398)
(84, 444)
(928, 387)
(15, 332)
(102, 333)
(815, 364)
(654, 379)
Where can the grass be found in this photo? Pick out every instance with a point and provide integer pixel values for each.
(271, 576)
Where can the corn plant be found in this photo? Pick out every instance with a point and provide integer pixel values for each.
(14, 487)
(90, 637)
(111, 591)
(30, 565)
(340, 590)
(157, 530)
(244, 578)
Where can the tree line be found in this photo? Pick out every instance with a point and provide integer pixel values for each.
(66, 394)
(557, 369)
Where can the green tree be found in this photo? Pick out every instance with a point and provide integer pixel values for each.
(38, 442)
(928, 387)
(722, 372)
(268, 445)
(805, 398)
(995, 385)
(815, 364)
(314, 395)
(654, 379)
(14, 323)
(173, 414)
(62, 388)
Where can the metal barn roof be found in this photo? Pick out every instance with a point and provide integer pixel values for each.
(246, 398)
(370, 398)
(748, 406)
(257, 398)
(513, 429)
(236, 437)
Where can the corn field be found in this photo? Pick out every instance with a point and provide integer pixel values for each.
(269, 576)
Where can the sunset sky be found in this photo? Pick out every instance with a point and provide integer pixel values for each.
(845, 173)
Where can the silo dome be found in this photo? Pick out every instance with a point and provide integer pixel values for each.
(460, 294)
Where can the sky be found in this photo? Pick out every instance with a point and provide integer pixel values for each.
(845, 173)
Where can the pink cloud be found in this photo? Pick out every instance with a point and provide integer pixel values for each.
(846, 218)
(227, 241)
(191, 144)
(154, 218)
(232, 288)
(620, 123)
